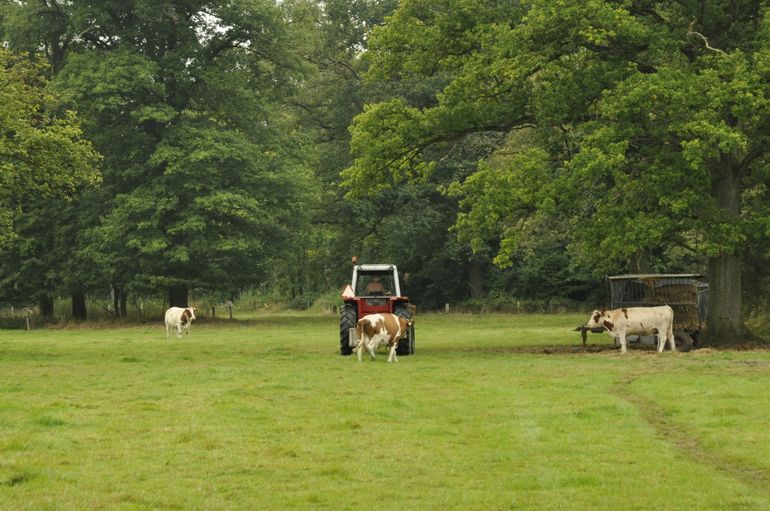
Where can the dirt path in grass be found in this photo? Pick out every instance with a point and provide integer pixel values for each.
(673, 433)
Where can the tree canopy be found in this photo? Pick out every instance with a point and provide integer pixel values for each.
(41, 153)
(631, 127)
(205, 181)
(516, 148)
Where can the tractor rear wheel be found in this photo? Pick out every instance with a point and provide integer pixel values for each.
(347, 321)
(406, 345)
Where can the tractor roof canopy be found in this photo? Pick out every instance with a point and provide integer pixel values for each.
(375, 268)
(389, 272)
(657, 276)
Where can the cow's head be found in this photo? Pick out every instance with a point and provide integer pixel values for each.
(597, 319)
(405, 325)
(188, 315)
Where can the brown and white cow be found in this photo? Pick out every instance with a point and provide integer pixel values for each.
(375, 330)
(179, 318)
(636, 321)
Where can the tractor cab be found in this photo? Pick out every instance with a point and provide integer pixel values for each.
(375, 285)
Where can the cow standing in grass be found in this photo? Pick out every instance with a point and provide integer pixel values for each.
(179, 318)
(375, 330)
(636, 321)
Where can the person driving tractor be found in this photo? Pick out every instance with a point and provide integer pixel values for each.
(375, 287)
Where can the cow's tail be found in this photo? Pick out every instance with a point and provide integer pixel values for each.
(359, 339)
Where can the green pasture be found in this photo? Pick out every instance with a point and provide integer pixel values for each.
(493, 412)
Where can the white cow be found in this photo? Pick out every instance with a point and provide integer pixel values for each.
(636, 321)
(179, 318)
(375, 330)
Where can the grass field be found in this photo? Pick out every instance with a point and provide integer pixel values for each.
(493, 412)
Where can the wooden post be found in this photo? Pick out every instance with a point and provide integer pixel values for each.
(446, 307)
(229, 307)
(213, 311)
(28, 314)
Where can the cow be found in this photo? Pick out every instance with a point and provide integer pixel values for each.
(636, 321)
(179, 318)
(375, 330)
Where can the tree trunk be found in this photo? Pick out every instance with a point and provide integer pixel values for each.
(123, 305)
(79, 312)
(46, 307)
(640, 262)
(724, 322)
(475, 279)
(177, 296)
(115, 293)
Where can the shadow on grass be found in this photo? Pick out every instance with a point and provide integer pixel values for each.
(271, 320)
(572, 349)
(542, 349)
(16, 478)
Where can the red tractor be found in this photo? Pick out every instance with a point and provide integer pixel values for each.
(374, 289)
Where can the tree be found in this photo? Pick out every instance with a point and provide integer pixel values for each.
(334, 38)
(44, 160)
(410, 225)
(204, 174)
(645, 124)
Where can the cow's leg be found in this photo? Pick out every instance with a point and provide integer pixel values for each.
(179, 331)
(168, 330)
(370, 347)
(359, 348)
(662, 342)
(623, 342)
(671, 340)
(392, 356)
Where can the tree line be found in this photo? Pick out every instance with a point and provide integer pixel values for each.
(489, 148)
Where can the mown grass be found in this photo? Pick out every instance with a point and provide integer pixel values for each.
(494, 412)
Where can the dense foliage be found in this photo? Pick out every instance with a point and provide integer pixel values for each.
(633, 130)
(44, 161)
(41, 154)
(205, 176)
(512, 150)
